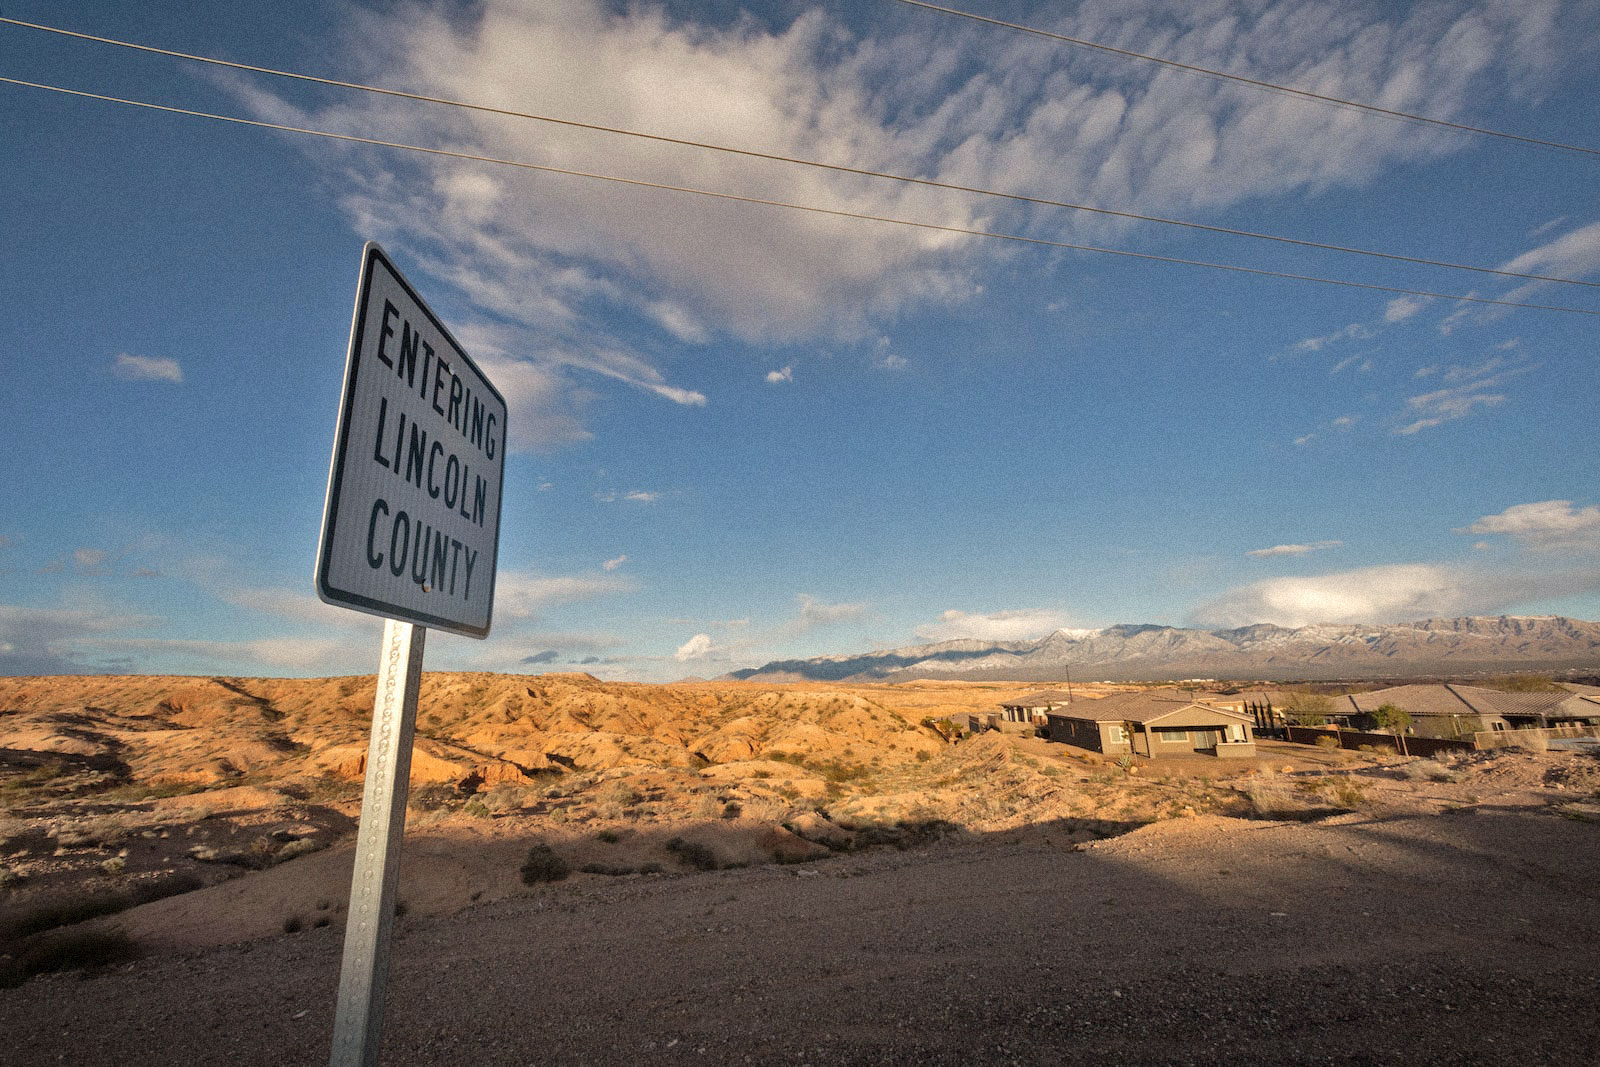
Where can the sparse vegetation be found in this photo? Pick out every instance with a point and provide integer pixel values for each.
(1305, 708)
(543, 864)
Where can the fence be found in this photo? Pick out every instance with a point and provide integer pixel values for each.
(1522, 738)
(1416, 746)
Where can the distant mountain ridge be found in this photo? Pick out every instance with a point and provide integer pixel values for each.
(1262, 651)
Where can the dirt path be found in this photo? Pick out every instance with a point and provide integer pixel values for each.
(1433, 939)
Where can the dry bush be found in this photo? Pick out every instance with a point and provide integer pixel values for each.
(544, 864)
(1533, 741)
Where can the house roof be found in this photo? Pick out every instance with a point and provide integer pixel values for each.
(1450, 699)
(1043, 698)
(1143, 708)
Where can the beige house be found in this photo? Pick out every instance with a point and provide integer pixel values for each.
(1161, 724)
(1035, 706)
(1459, 711)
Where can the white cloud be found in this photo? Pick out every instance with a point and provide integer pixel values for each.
(1447, 405)
(522, 594)
(56, 640)
(784, 375)
(1403, 307)
(1305, 439)
(147, 369)
(286, 604)
(613, 564)
(1548, 524)
(90, 561)
(558, 262)
(1019, 625)
(1460, 400)
(1294, 550)
(698, 647)
(1575, 254)
(1374, 594)
(814, 612)
(1344, 422)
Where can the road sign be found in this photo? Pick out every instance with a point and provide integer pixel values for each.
(411, 527)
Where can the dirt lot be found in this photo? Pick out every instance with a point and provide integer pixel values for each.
(760, 875)
(1457, 938)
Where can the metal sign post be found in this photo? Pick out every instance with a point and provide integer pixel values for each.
(411, 533)
(363, 975)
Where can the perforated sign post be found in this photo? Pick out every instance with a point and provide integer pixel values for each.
(410, 532)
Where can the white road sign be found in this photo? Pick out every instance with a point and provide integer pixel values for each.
(411, 527)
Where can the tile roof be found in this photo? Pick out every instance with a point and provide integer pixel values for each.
(1038, 700)
(1449, 699)
(1141, 708)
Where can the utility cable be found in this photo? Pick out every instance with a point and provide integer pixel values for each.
(1271, 86)
(836, 212)
(835, 167)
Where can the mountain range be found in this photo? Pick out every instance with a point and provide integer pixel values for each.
(1474, 644)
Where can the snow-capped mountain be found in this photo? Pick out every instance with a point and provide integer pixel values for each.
(1148, 652)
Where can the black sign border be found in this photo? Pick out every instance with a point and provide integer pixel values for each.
(372, 255)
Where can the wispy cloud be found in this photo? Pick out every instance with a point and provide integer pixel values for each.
(1294, 550)
(147, 369)
(1477, 389)
(1403, 307)
(777, 376)
(613, 564)
(814, 612)
(1548, 524)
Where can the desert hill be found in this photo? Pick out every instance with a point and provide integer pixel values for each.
(1460, 647)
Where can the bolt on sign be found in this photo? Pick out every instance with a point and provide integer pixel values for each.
(411, 528)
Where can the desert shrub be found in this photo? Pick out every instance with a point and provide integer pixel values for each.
(700, 857)
(613, 870)
(1327, 741)
(732, 810)
(300, 846)
(71, 951)
(543, 864)
(924, 756)
(1348, 794)
(652, 868)
(1533, 741)
(293, 924)
(477, 809)
(610, 837)
(1307, 709)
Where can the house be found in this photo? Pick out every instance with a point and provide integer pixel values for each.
(1035, 706)
(1163, 724)
(1459, 711)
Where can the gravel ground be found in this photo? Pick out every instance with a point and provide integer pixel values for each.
(1451, 939)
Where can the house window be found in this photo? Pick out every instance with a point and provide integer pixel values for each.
(1498, 725)
(1117, 736)
(1172, 735)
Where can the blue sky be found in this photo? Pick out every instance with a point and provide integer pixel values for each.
(742, 432)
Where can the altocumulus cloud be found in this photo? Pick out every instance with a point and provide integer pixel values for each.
(958, 104)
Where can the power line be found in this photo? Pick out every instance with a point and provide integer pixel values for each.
(774, 157)
(836, 212)
(1256, 83)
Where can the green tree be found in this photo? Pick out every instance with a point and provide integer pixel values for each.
(1308, 709)
(1393, 719)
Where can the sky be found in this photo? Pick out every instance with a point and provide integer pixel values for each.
(739, 431)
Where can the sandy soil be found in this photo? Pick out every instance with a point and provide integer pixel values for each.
(1369, 909)
(1419, 939)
